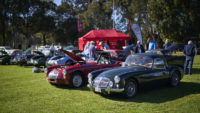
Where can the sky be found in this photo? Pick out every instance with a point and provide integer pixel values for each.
(58, 2)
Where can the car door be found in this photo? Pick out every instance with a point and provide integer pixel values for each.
(157, 74)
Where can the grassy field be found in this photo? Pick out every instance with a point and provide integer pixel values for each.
(22, 91)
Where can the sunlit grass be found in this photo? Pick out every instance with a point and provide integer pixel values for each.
(22, 91)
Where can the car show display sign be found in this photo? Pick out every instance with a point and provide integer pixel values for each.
(137, 30)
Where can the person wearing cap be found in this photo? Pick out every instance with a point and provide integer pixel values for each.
(189, 51)
(92, 50)
(139, 48)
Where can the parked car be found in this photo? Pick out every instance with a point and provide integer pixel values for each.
(7, 49)
(60, 59)
(137, 70)
(4, 58)
(16, 56)
(76, 74)
(39, 59)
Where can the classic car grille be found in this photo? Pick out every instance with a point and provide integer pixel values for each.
(102, 82)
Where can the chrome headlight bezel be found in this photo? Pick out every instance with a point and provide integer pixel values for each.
(117, 79)
(45, 70)
(90, 78)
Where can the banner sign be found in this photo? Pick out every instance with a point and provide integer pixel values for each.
(79, 25)
(138, 33)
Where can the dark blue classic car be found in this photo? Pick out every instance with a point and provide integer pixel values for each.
(137, 70)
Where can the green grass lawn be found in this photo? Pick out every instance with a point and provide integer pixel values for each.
(22, 91)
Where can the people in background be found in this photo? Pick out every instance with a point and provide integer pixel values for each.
(152, 44)
(52, 49)
(189, 51)
(118, 45)
(86, 50)
(92, 51)
(139, 48)
(166, 44)
(129, 48)
(103, 46)
(147, 44)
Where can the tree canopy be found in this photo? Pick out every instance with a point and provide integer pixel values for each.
(25, 19)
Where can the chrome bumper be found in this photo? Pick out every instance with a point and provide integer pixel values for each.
(107, 90)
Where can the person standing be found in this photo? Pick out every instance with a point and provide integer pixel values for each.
(152, 44)
(147, 44)
(52, 49)
(103, 46)
(166, 44)
(86, 50)
(139, 48)
(118, 45)
(92, 51)
(189, 51)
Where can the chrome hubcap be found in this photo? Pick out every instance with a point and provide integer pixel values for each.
(77, 80)
(131, 89)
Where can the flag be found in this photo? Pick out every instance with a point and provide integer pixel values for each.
(137, 30)
(79, 25)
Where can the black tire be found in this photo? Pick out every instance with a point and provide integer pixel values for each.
(68, 62)
(175, 79)
(76, 80)
(130, 89)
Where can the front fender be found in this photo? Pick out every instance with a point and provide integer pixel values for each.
(172, 69)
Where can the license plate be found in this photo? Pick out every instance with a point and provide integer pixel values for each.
(97, 89)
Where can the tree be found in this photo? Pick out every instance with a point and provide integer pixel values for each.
(175, 19)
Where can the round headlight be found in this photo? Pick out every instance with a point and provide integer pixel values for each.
(45, 70)
(64, 72)
(111, 84)
(117, 79)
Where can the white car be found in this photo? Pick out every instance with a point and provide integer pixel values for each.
(7, 49)
(57, 60)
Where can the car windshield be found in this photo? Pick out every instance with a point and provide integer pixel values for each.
(133, 60)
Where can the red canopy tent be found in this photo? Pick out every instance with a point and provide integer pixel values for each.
(103, 35)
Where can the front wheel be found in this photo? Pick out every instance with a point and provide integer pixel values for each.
(175, 79)
(76, 80)
(130, 88)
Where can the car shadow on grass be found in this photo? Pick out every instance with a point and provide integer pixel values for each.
(83, 88)
(195, 70)
(159, 94)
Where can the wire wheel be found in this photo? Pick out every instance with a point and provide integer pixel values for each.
(175, 79)
(130, 89)
(76, 80)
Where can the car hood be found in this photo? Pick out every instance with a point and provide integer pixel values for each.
(38, 53)
(73, 56)
(27, 50)
(120, 71)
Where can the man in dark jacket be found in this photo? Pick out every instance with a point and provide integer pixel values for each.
(189, 51)
(139, 48)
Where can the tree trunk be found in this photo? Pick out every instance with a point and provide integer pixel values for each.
(44, 38)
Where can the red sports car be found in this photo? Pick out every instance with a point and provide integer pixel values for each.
(76, 74)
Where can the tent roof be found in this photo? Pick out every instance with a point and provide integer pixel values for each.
(105, 34)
